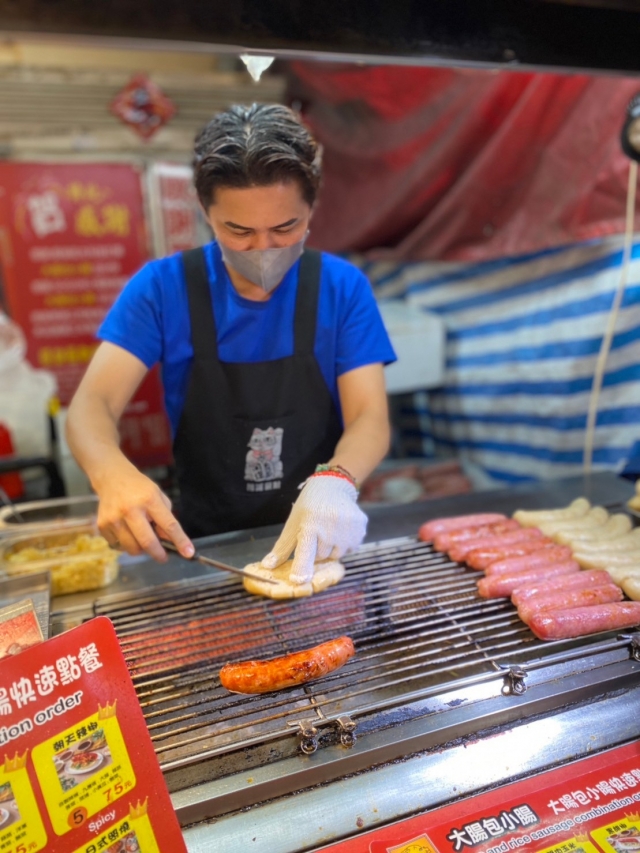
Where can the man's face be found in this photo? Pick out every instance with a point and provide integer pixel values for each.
(269, 217)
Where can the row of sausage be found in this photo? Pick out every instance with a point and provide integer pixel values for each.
(552, 563)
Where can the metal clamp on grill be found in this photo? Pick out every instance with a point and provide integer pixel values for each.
(347, 730)
(634, 643)
(514, 681)
(308, 735)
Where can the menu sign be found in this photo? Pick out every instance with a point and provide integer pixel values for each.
(70, 238)
(589, 806)
(174, 207)
(78, 773)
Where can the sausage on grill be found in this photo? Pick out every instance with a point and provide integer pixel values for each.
(263, 676)
(480, 558)
(438, 525)
(443, 541)
(501, 586)
(576, 621)
(576, 580)
(530, 562)
(561, 600)
(459, 550)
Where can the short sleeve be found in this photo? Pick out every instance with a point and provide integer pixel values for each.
(135, 319)
(362, 336)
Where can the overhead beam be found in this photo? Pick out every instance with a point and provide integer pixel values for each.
(590, 35)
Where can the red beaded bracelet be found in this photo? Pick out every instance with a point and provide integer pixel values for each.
(338, 469)
(337, 474)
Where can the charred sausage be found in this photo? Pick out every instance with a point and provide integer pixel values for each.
(263, 676)
(577, 621)
(438, 525)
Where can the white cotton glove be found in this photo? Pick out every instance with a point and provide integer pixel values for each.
(325, 522)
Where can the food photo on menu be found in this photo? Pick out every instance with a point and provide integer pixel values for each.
(9, 812)
(626, 839)
(128, 844)
(79, 762)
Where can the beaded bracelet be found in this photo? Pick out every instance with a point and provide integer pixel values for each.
(337, 469)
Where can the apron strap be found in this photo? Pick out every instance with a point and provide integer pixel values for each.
(203, 324)
(304, 327)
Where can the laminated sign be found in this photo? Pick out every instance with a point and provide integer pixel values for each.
(78, 773)
(589, 806)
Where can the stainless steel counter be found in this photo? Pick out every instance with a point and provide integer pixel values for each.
(455, 740)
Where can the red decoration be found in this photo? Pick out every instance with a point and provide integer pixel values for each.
(143, 106)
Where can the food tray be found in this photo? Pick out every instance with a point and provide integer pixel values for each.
(77, 559)
(43, 516)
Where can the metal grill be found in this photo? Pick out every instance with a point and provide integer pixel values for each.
(415, 617)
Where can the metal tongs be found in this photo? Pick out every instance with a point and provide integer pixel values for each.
(209, 561)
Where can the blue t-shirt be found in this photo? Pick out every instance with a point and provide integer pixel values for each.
(150, 319)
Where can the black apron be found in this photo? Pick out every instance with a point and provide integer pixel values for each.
(250, 433)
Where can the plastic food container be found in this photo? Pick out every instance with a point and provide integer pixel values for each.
(78, 559)
(51, 515)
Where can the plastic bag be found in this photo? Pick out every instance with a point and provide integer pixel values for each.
(25, 394)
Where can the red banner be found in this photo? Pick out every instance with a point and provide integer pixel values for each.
(589, 806)
(70, 237)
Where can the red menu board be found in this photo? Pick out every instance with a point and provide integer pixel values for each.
(589, 806)
(70, 237)
(78, 773)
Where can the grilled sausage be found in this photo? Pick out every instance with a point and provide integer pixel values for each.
(443, 541)
(557, 600)
(530, 562)
(576, 580)
(438, 525)
(480, 558)
(501, 586)
(263, 676)
(460, 550)
(578, 621)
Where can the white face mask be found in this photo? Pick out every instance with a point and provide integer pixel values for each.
(264, 267)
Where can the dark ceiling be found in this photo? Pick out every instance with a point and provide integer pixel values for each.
(597, 35)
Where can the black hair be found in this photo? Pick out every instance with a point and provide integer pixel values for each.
(259, 145)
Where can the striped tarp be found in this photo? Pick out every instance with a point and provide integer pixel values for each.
(523, 335)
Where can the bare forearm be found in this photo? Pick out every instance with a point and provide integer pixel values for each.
(92, 435)
(363, 445)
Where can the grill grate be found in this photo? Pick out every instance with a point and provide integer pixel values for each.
(415, 617)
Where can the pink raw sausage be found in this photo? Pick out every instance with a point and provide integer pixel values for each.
(438, 525)
(480, 558)
(443, 541)
(460, 550)
(569, 598)
(579, 580)
(536, 560)
(578, 621)
(501, 586)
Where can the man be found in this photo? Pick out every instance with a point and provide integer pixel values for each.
(272, 363)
